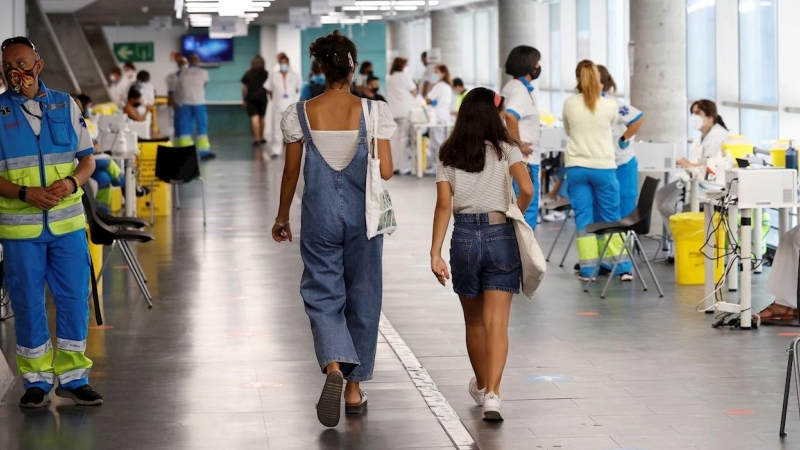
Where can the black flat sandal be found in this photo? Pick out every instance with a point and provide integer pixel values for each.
(357, 408)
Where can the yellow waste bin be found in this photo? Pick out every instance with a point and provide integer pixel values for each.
(162, 193)
(690, 236)
(737, 146)
(778, 152)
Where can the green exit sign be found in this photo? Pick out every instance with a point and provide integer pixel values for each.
(134, 51)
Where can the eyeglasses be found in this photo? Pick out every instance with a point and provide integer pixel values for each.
(19, 40)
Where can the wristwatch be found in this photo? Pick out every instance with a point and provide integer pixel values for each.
(23, 192)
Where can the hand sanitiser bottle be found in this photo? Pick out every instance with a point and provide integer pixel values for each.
(791, 156)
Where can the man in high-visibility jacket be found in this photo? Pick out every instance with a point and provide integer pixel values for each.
(42, 227)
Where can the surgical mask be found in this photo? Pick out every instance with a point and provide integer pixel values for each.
(406, 69)
(696, 122)
(284, 68)
(87, 114)
(536, 72)
(136, 104)
(114, 78)
(131, 75)
(20, 80)
(375, 90)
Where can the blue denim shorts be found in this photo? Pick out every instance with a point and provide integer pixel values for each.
(484, 257)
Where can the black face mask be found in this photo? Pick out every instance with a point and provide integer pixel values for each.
(375, 90)
(136, 104)
(536, 72)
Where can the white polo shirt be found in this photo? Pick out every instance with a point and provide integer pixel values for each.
(521, 103)
(628, 115)
(441, 97)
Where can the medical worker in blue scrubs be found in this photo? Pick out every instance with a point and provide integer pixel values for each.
(42, 227)
(194, 118)
(630, 121)
(522, 116)
(593, 188)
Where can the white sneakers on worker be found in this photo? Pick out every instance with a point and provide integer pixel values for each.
(554, 216)
(477, 394)
(492, 407)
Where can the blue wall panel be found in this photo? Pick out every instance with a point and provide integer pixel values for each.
(370, 41)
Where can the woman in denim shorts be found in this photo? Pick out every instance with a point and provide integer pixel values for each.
(473, 185)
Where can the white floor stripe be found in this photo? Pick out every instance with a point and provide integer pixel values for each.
(441, 409)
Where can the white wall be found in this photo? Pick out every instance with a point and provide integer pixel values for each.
(287, 41)
(12, 21)
(165, 43)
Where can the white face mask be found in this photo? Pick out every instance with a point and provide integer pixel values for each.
(114, 78)
(284, 68)
(406, 69)
(696, 122)
(131, 75)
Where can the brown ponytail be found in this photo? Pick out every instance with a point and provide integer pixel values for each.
(588, 83)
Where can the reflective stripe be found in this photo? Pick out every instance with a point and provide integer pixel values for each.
(73, 375)
(66, 213)
(73, 346)
(33, 353)
(21, 219)
(59, 158)
(34, 377)
(19, 163)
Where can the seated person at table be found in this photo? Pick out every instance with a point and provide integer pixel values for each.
(782, 281)
(133, 108)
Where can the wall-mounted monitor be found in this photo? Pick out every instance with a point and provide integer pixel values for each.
(211, 51)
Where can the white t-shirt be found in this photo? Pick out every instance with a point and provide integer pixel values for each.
(628, 115)
(521, 103)
(428, 75)
(119, 92)
(441, 97)
(708, 146)
(148, 93)
(481, 192)
(285, 89)
(336, 147)
(192, 81)
(398, 96)
(590, 133)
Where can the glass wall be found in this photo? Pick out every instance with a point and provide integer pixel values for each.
(583, 34)
(701, 49)
(758, 68)
(556, 101)
(479, 40)
(617, 44)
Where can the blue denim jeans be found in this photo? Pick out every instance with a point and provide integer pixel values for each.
(342, 284)
(484, 257)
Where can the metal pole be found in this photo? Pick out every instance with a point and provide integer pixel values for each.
(787, 387)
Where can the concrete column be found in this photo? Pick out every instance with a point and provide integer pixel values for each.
(658, 82)
(445, 36)
(516, 23)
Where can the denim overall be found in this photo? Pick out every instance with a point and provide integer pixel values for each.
(342, 283)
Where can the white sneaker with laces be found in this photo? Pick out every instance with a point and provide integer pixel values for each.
(554, 216)
(477, 394)
(492, 407)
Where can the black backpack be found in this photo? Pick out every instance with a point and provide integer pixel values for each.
(316, 88)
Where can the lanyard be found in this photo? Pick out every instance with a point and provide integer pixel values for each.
(27, 111)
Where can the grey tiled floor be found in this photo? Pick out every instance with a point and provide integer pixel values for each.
(225, 359)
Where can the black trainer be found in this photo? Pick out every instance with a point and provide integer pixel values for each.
(34, 398)
(83, 395)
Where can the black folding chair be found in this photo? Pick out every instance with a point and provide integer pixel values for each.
(629, 228)
(177, 165)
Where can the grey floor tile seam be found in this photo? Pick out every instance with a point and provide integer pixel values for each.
(439, 406)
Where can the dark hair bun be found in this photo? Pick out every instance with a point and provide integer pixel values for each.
(336, 54)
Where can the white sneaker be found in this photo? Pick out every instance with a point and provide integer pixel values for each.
(477, 394)
(626, 277)
(555, 216)
(492, 407)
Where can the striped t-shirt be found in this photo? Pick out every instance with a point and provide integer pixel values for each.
(481, 192)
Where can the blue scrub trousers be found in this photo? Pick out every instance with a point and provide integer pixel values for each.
(628, 177)
(594, 195)
(532, 213)
(191, 119)
(62, 262)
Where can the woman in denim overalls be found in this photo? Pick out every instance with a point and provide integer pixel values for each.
(342, 282)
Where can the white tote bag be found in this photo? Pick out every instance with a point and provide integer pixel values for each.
(534, 264)
(379, 210)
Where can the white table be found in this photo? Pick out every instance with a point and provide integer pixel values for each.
(749, 235)
(419, 130)
(129, 162)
